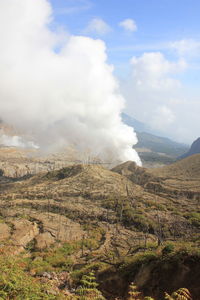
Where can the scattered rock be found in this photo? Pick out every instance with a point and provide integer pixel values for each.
(44, 240)
(57, 282)
(4, 231)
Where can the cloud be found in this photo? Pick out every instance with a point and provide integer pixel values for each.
(97, 26)
(156, 95)
(128, 25)
(152, 71)
(162, 118)
(59, 98)
(186, 47)
(72, 7)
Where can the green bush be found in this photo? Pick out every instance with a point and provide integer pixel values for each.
(132, 217)
(169, 248)
(68, 249)
(54, 259)
(194, 218)
(39, 266)
(57, 260)
(15, 283)
(154, 204)
(78, 274)
(131, 265)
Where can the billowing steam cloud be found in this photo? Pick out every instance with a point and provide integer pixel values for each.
(61, 92)
(15, 141)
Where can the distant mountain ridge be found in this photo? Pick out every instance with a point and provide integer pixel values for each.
(132, 122)
(194, 149)
(153, 148)
(160, 144)
(140, 126)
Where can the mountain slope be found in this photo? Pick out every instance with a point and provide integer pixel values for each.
(194, 149)
(160, 144)
(188, 168)
(154, 150)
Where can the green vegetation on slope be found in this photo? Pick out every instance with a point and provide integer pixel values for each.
(160, 144)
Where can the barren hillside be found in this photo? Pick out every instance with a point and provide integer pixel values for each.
(106, 216)
(187, 168)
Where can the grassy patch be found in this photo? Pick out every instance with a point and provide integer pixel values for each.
(194, 218)
(15, 283)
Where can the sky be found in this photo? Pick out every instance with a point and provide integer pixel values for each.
(154, 48)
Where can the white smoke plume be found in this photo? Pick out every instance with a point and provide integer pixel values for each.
(60, 92)
(16, 141)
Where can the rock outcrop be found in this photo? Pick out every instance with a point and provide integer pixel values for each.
(44, 240)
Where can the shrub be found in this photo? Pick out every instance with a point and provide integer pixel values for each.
(39, 266)
(16, 284)
(169, 248)
(194, 218)
(57, 260)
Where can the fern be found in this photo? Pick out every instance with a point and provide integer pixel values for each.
(133, 292)
(88, 289)
(180, 294)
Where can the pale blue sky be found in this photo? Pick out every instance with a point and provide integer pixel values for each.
(159, 23)
(158, 20)
(170, 27)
